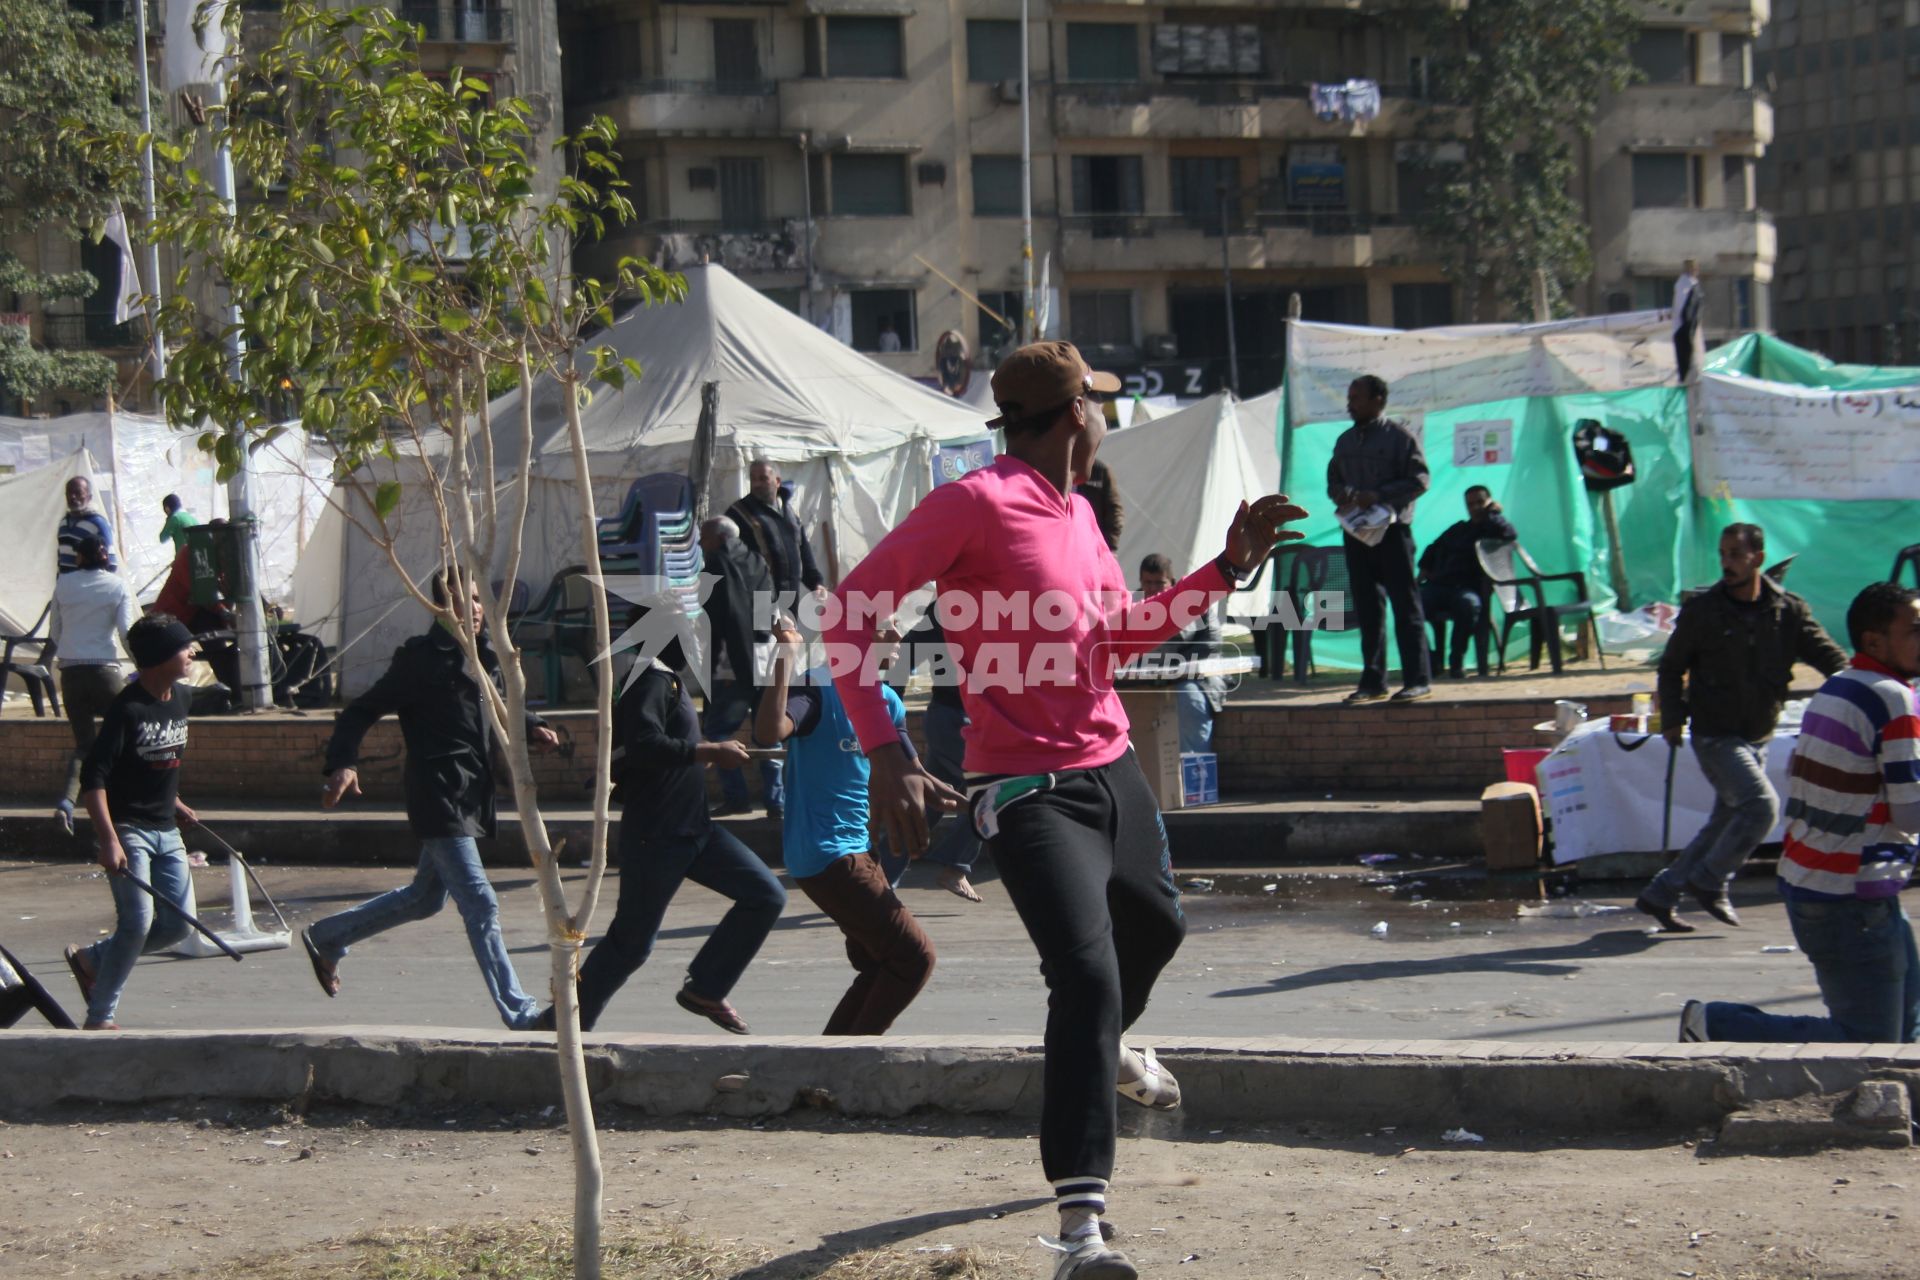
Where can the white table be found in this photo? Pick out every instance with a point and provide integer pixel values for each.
(1602, 791)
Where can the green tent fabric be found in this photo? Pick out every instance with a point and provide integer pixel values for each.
(1669, 534)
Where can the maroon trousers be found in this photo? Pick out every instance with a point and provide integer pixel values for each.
(891, 954)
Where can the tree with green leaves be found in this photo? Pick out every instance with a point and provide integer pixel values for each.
(400, 261)
(58, 72)
(1519, 82)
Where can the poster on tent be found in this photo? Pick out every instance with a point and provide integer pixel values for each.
(1450, 368)
(951, 461)
(1484, 442)
(1763, 439)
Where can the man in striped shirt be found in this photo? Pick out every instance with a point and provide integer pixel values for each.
(1853, 807)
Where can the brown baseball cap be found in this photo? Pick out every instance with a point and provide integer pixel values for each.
(1041, 377)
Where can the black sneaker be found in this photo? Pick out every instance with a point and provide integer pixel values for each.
(1413, 693)
(1669, 922)
(1717, 904)
(1365, 695)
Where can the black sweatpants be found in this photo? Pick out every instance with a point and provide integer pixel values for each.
(1088, 869)
(1380, 575)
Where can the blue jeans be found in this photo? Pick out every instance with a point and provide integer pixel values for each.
(1863, 955)
(953, 842)
(651, 871)
(1744, 811)
(449, 867)
(159, 858)
(727, 710)
(1196, 717)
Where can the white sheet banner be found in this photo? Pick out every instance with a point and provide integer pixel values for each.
(1447, 368)
(1773, 440)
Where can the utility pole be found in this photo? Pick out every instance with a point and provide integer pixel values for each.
(151, 251)
(250, 632)
(1226, 280)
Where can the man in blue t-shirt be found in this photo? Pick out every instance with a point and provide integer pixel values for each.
(826, 843)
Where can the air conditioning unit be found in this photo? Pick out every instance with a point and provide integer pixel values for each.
(1162, 346)
(1008, 91)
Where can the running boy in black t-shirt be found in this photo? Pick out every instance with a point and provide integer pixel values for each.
(130, 785)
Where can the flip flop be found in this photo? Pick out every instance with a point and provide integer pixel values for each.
(80, 974)
(718, 1012)
(323, 973)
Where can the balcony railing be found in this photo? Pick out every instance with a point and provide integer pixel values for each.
(1217, 93)
(86, 331)
(639, 86)
(1320, 222)
(460, 25)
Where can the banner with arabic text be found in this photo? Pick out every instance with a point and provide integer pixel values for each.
(1760, 439)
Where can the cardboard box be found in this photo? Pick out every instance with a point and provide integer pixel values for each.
(1155, 732)
(1200, 777)
(1510, 826)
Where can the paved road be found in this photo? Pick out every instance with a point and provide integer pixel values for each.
(1297, 961)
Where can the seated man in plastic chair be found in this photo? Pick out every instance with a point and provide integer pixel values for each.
(1453, 587)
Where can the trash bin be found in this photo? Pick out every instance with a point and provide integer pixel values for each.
(213, 562)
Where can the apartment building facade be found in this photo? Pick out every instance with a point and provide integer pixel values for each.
(858, 160)
(1844, 176)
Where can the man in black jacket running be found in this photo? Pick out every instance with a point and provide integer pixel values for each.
(449, 785)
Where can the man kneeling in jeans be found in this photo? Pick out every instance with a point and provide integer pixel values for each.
(1853, 806)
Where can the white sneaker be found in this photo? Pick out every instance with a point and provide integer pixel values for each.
(1145, 1081)
(1090, 1259)
(1693, 1022)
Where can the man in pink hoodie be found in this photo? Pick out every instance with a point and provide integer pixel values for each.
(1038, 614)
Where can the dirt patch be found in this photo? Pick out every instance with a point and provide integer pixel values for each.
(105, 1192)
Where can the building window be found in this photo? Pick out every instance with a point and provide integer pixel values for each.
(996, 186)
(1660, 182)
(1108, 185)
(1422, 306)
(1196, 183)
(1103, 51)
(993, 50)
(865, 48)
(997, 338)
(633, 171)
(1664, 55)
(736, 53)
(1421, 171)
(742, 193)
(882, 317)
(1101, 318)
(1736, 61)
(1652, 293)
(870, 186)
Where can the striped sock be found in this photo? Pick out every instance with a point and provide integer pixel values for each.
(1081, 1201)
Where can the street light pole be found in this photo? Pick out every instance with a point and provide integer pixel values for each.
(1226, 279)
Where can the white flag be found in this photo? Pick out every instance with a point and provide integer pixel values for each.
(127, 305)
(192, 57)
(1043, 301)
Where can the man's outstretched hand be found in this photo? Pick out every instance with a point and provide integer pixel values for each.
(899, 794)
(1259, 528)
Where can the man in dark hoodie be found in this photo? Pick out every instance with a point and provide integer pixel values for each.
(450, 802)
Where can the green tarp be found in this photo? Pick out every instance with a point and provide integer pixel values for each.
(1669, 534)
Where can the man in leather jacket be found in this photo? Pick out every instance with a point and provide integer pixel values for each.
(450, 803)
(1727, 670)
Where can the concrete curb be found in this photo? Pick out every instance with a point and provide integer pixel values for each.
(1565, 1090)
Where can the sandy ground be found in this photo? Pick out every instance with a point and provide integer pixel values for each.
(116, 1193)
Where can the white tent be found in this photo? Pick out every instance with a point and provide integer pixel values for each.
(857, 440)
(1181, 478)
(31, 505)
(1260, 428)
(137, 460)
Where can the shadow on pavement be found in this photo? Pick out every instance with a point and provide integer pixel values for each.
(1539, 961)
